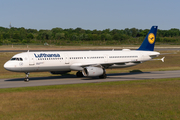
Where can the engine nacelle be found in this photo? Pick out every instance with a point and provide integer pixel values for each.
(59, 72)
(92, 71)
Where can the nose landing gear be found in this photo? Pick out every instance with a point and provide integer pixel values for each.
(26, 79)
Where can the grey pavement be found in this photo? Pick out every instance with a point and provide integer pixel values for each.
(71, 79)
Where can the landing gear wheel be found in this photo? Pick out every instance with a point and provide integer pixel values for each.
(103, 76)
(26, 79)
(79, 74)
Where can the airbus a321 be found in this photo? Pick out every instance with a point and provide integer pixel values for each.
(86, 63)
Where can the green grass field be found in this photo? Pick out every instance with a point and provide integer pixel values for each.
(126, 100)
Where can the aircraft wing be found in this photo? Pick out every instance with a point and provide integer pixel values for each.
(80, 66)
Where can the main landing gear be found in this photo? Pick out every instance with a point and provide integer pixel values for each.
(103, 76)
(26, 79)
(79, 74)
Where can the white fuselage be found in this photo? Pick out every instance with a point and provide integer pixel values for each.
(76, 60)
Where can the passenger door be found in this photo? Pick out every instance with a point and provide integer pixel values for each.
(31, 59)
(66, 59)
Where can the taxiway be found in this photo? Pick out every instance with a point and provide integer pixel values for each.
(71, 79)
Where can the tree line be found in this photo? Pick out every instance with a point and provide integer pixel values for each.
(59, 36)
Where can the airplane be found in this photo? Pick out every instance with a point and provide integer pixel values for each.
(86, 63)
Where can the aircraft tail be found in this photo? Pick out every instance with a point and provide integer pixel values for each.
(149, 41)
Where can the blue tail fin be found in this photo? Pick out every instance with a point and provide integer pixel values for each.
(149, 41)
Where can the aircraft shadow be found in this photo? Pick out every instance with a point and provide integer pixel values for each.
(74, 76)
(114, 74)
(42, 78)
(131, 73)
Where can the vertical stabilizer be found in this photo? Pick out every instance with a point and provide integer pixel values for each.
(149, 41)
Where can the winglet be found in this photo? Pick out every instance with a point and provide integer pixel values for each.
(162, 59)
(149, 41)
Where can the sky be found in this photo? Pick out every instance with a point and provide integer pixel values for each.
(90, 14)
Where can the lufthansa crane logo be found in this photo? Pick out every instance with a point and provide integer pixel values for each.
(151, 38)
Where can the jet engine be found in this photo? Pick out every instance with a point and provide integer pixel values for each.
(59, 72)
(92, 71)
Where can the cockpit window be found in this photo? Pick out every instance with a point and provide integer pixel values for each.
(16, 59)
(13, 58)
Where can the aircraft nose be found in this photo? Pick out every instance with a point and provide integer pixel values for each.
(12, 66)
(6, 66)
